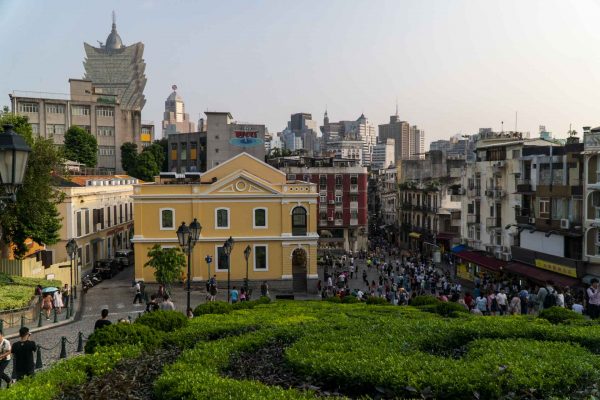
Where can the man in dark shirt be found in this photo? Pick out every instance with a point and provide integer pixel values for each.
(102, 321)
(23, 352)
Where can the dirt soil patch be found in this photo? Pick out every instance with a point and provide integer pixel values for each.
(131, 379)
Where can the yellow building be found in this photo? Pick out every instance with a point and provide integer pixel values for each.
(243, 198)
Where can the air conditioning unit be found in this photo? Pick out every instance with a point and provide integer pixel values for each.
(98, 227)
(532, 220)
(500, 164)
(564, 224)
(506, 256)
(506, 249)
(490, 249)
(498, 255)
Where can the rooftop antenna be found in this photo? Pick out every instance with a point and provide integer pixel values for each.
(114, 18)
(516, 119)
(502, 130)
(396, 106)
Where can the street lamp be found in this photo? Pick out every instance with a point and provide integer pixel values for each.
(72, 252)
(14, 153)
(247, 252)
(187, 237)
(227, 247)
(208, 260)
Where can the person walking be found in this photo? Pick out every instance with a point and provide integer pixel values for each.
(23, 352)
(58, 302)
(234, 295)
(103, 321)
(167, 304)
(138, 293)
(66, 295)
(5, 351)
(47, 305)
(264, 289)
(593, 293)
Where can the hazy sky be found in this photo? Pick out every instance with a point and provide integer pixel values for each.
(454, 65)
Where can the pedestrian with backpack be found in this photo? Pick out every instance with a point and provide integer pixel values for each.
(549, 299)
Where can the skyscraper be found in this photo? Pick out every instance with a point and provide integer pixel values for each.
(360, 132)
(400, 132)
(416, 143)
(116, 69)
(175, 119)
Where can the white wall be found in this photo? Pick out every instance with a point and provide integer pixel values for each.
(537, 241)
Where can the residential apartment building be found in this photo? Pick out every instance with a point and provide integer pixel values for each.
(429, 205)
(226, 138)
(591, 199)
(242, 198)
(87, 107)
(342, 203)
(409, 140)
(383, 154)
(187, 152)
(357, 134)
(147, 134)
(97, 212)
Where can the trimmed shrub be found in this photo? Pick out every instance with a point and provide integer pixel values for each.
(165, 321)
(333, 299)
(559, 315)
(122, 334)
(447, 309)
(423, 301)
(350, 300)
(263, 300)
(213, 307)
(377, 301)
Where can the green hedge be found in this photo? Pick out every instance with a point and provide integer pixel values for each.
(378, 301)
(213, 307)
(164, 321)
(123, 333)
(424, 300)
(559, 315)
(49, 383)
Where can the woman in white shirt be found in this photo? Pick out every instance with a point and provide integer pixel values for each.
(5, 351)
(58, 302)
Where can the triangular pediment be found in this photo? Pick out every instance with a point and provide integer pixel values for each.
(243, 184)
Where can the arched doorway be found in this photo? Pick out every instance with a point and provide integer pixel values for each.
(299, 260)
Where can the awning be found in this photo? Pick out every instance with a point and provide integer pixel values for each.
(482, 260)
(541, 275)
(414, 235)
(444, 211)
(446, 236)
(458, 248)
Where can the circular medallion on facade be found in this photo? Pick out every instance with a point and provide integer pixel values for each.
(240, 186)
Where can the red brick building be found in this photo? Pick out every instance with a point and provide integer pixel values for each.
(342, 203)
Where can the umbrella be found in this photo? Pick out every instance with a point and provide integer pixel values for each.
(49, 289)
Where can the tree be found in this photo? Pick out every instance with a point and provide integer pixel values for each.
(158, 152)
(34, 215)
(81, 146)
(129, 156)
(146, 167)
(167, 263)
(164, 143)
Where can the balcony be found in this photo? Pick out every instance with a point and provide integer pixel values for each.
(474, 192)
(354, 204)
(473, 218)
(353, 221)
(322, 222)
(339, 222)
(455, 198)
(338, 187)
(523, 216)
(339, 206)
(323, 188)
(524, 186)
(493, 223)
(353, 188)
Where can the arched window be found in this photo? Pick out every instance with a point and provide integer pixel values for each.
(299, 221)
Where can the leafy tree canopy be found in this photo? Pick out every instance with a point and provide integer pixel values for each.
(144, 165)
(128, 156)
(81, 146)
(34, 215)
(167, 263)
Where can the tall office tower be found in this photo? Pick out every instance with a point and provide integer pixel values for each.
(400, 132)
(175, 119)
(301, 133)
(416, 143)
(359, 130)
(116, 69)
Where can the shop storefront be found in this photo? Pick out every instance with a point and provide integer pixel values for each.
(471, 264)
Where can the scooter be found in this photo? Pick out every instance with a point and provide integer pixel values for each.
(86, 283)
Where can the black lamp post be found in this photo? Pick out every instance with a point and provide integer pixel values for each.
(247, 252)
(14, 153)
(227, 247)
(187, 237)
(72, 252)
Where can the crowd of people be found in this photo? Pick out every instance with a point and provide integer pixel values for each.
(401, 275)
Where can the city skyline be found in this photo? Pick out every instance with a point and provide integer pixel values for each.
(453, 66)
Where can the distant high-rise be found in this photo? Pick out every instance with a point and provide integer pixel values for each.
(175, 119)
(400, 132)
(416, 143)
(118, 69)
(359, 131)
(301, 133)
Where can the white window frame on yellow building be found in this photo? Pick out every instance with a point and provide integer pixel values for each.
(216, 259)
(266, 210)
(228, 218)
(160, 218)
(266, 246)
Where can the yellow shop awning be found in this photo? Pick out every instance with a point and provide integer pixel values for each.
(414, 235)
